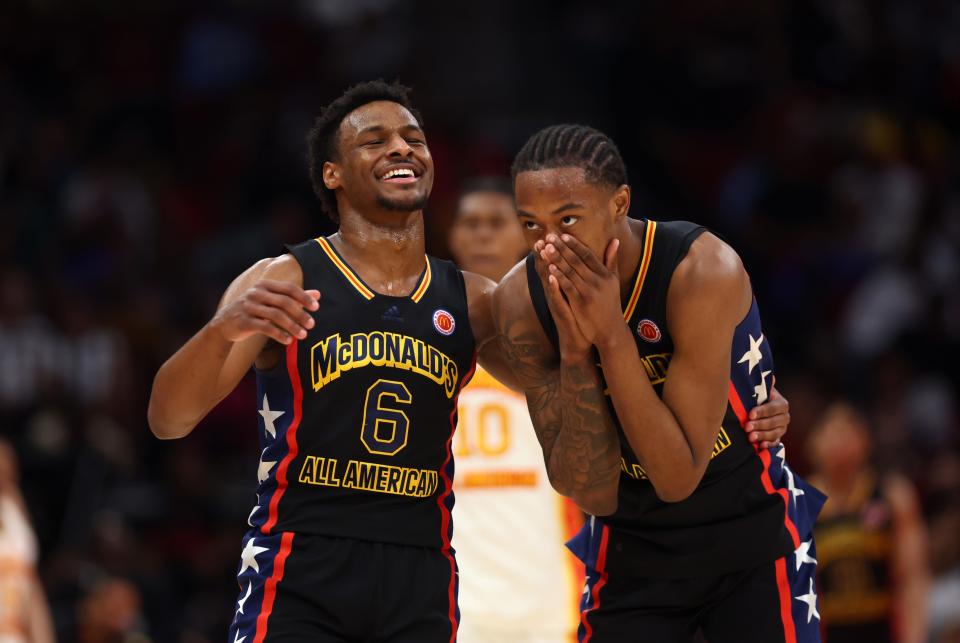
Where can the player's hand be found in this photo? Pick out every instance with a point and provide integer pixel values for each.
(591, 286)
(767, 423)
(573, 345)
(276, 309)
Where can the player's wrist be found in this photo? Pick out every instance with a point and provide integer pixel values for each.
(614, 339)
(574, 355)
(217, 332)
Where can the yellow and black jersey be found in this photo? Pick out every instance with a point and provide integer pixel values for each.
(356, 424)
(749, 508)
(855, 547)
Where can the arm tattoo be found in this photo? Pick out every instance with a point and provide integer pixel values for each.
(587, 453)
(571, 416)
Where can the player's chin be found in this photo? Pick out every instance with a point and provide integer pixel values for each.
(404, 202)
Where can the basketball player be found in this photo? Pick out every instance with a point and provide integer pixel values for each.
(24, 615)
(518, 582)
(873, 570)
(512, 587)
(641, 353)
(350, 535)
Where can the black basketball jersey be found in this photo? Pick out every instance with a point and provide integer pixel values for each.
(738, 516)
(357, 422)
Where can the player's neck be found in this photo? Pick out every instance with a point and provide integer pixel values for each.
(630, 233)
(387, 252)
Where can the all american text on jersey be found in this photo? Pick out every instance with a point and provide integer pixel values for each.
(369, 476)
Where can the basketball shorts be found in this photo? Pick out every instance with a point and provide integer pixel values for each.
(297, 587)
(772, 603)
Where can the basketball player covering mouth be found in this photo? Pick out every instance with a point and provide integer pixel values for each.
(357, 395)
(639, 347)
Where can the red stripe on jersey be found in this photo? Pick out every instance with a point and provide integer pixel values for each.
(292, 448)
(601, 565)
(270, 591)
(786, 610)
(764, 454)
(445, 513)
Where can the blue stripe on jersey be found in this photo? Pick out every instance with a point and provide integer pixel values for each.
(274, 413)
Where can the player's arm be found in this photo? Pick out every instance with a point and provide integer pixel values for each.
(490, 351)
(709, 294)
(673, 438)
(565, 399)
(910, 566)
(266, 303)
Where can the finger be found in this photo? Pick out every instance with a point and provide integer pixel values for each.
(566, 285)
(553, 256)
(290, 306)
(584, 253)
(767, 445)
(264, 327)
(610, 255)
(770, 408)
(291, 290)
(578, 268)
(774, 435)
(279, 318)
(558, 305)
(776, 423)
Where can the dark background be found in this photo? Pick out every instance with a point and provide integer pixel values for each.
(151, 151)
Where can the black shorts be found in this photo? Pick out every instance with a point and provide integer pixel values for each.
(772, 603)
(296, 588)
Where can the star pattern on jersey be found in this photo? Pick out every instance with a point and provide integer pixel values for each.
(752, 356)
(760, 390)
(248, 557)
(263, 471)
(269, 417)
(237, 638)
(244, 599)
(253, 511)
(810, 598)
(791, 484)
(782, 454)
(802, 554)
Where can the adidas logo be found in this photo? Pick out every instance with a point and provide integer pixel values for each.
(392, 314)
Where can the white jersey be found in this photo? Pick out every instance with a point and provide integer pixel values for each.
(18, 555)
(518, 582)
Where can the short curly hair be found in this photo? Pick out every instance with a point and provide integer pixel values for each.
(322, 138)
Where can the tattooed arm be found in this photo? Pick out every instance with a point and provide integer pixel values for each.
(571, 417)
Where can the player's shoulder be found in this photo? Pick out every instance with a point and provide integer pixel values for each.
(512, 295)
(710, 265)
(282, 268)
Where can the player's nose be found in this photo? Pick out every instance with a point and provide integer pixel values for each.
(398, 146)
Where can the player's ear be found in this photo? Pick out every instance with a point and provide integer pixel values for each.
(620, 202)
(331, 175)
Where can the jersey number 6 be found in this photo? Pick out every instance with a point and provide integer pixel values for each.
(385, 425)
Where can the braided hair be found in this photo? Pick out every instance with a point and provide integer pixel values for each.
(571, 145)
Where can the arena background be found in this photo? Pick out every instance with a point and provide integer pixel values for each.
(150, 151)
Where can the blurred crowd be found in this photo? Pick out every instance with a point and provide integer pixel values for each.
(150, 154)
